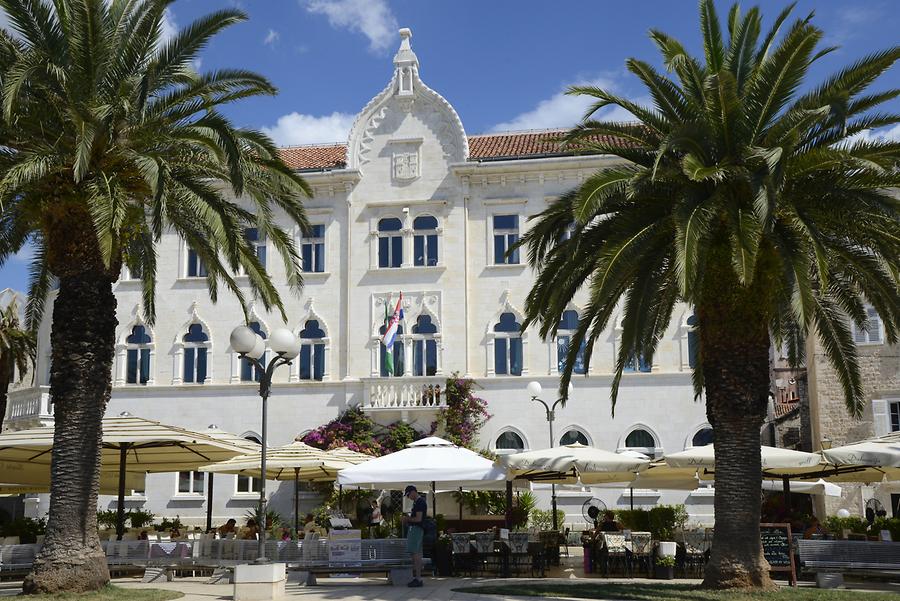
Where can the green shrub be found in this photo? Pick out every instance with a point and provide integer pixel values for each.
(634, 519)
(106, 518)
(836, 525)
(667, 561)
(167, 524)
(139, 518)
(666, 519)
(892, 525)
(27, 529)
(543, 519)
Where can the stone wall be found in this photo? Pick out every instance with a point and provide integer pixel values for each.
(830, 420)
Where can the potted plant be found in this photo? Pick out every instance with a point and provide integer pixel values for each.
(665, 567)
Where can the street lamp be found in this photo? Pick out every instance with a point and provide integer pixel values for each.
(535, 389)
(250, 345)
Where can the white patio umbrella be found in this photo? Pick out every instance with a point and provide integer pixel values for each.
(431, 461)
(129, 443)
(569, 463)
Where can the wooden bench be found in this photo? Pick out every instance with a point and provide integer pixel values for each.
(830, 559)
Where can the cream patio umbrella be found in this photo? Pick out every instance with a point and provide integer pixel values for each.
(570, 463)
(129, 443)
(109, 484)
(873, 457)
(215, 432)
(295, 461)
(777, 463)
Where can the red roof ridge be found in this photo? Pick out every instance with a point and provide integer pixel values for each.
(313, 145)
(516, 132)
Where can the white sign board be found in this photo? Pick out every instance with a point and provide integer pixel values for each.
(345, 546)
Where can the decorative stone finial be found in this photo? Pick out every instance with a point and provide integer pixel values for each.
(405, 56)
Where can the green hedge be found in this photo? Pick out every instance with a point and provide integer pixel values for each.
(661, 521)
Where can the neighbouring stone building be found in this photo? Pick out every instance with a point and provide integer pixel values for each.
(831, 425)
(410, 203)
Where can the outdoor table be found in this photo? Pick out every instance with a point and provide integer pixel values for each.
(177, 549)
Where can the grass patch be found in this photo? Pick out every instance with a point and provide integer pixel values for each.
(113, 593)
(670, 592)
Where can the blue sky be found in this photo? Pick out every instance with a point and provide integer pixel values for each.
(503, 64)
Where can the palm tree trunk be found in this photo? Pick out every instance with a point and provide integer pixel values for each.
(82, 340)
(734, 347)
(5, 376)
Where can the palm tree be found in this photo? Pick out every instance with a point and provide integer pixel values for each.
(17, 350)
(754, 202)
(110, 139)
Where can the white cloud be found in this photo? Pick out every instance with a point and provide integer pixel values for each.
(891, 134)
(561, 110)
(372, 18)
(168, 27)
(271, 37)
(297, 128)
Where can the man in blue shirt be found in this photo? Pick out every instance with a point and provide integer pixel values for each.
(415, 533)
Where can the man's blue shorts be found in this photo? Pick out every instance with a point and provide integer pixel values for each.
(414, 536)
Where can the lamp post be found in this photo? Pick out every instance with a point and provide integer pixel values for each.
(535, 389)
(250, 345)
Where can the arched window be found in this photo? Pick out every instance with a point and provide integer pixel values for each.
(703, 437)
(424, 347)
(508, 346)
(509, 441)
(395, 366)
(138, 356)
(312, 351)
(567, 326)
(390, 243)
(249, 371)
(573, 436)
(425, 241)
(195, 347)
(642, 441)
(693, 341)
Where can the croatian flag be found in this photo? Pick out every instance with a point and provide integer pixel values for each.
(393, 325)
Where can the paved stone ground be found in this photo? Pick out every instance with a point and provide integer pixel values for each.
(345, 589)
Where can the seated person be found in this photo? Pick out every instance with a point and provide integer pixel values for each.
(609, 523)
(310, 525)
(814, 528)
(227, 528)
(250, 531)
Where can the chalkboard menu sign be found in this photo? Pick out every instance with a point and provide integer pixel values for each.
(776, 544)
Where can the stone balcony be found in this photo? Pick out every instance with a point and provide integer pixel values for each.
(404, 394)
(28, 408)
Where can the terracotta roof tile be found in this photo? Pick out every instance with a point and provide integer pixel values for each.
(315, 157)
(484, 147)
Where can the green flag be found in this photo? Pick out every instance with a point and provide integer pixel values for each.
(388, 353)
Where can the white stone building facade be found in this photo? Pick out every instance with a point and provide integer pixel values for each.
(410, 204)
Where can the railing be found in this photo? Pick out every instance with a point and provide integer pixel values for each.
(405, 393)
(207, 551)
(29, 407)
